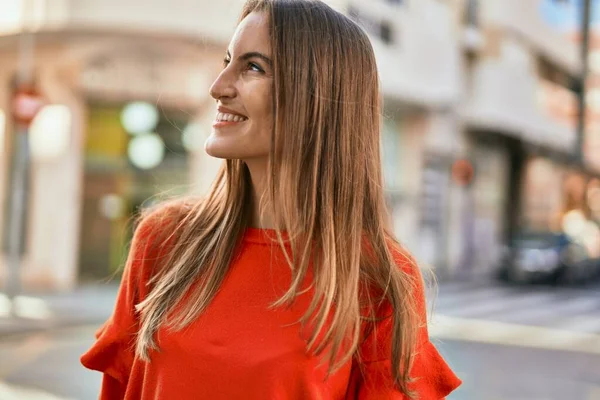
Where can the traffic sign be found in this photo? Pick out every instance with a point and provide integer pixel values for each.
(26, 103)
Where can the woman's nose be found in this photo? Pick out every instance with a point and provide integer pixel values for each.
(223, 86)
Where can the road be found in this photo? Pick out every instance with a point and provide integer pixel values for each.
(504, 342)
(49, 362)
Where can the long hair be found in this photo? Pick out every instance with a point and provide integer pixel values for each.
(326, 182)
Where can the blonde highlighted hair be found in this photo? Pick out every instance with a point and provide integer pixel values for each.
(326, 182)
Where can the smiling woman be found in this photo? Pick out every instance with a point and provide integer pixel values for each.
(244, 91)
(285, 282)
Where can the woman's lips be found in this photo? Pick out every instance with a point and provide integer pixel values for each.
(221, 124)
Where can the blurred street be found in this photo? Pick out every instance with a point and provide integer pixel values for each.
(544, 341)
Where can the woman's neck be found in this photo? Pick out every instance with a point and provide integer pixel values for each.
(258, 169)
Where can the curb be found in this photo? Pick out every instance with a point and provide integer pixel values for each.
(13, 327)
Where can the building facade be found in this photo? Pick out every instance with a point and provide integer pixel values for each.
(520, 120)
(465, 83)
(96, 60)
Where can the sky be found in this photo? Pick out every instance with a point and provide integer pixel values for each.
(566, 14)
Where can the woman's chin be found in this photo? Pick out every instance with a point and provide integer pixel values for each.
(219, 148)
(232, 148)
(217, 152)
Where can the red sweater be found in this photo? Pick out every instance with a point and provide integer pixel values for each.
(239, 348)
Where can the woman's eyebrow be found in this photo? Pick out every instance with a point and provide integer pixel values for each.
(253, 54)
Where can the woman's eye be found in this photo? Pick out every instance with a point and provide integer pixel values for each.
(226, 62)
(255, 67)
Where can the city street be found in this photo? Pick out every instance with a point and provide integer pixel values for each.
(504, 342)
(471, 127)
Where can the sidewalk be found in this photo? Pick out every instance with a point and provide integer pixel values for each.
(85, 305)
(93, 304)
(543, 307)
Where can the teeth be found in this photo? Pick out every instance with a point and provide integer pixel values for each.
(230, 117)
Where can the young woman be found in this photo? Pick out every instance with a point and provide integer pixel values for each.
(285, 281)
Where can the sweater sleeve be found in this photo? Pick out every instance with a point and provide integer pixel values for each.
(372, 378)
(113, 351)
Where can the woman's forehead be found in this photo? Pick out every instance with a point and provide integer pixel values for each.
(252, 34)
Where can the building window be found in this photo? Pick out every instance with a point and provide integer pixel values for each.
(385, 32)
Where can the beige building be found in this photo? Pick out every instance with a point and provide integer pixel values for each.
(518, 118)
(449, 80)
(420, 122)
(92, 59)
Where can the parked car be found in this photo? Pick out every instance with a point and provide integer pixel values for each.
(548, 257)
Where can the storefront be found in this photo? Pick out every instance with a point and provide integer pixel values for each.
(542, 201)
(83, 197)
(134, 154)
(560, 199)
(145, 129)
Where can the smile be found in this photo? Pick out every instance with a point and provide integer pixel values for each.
(225, 117)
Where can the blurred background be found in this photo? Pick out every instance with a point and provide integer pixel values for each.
(491, 155)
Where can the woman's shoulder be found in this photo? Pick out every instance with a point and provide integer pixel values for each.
(402, 257)
(158, 224)
(163, 216)
(155, 234)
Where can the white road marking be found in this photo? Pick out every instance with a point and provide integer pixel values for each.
(567, 307)
(494, 332)
(586, 323)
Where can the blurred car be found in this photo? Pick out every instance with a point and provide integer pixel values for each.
(547, 257)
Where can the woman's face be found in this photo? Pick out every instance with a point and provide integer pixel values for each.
(243, 90)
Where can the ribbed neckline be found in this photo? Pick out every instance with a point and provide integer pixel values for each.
(262, 236)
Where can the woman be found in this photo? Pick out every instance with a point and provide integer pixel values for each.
(285, 281)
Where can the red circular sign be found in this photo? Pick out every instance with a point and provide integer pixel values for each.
(26, 104)
(463, 172)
